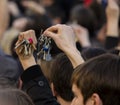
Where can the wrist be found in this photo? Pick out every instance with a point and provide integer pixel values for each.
(75, 56)
(27, 62)
(85, 43)
(112, 29)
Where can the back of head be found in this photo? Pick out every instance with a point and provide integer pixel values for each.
(8, 83)
(61, 72)
(91, 52)
(100, 75)
(9, 68)
(14, 97)
(84, 17)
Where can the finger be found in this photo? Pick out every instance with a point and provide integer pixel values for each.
(55, 28)
(20, 38)
(50, 34)
(52, 29)
(32, 35)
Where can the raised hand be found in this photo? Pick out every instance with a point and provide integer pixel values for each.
(82, 35)
(64, 37)
(27, 36)
(112, 10)
(112, 13)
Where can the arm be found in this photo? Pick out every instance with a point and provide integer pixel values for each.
(4, 16)
(64, 38)
(34, 82)
(37, 87)
(112, 13)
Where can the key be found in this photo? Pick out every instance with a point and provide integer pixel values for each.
(43, 47)
(21, 43)
(48, 56)
(25, 50)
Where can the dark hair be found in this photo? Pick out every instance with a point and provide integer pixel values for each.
(100, 75)
(79, 14)
(61, 72)
(8, 83)
(53, 13)
(99, 12)
(91, 52)
(14, 97)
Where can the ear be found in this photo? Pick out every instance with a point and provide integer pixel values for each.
(53, 89)
(20, 84)
(95, 99)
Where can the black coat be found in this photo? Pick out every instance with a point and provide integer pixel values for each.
(37, 87)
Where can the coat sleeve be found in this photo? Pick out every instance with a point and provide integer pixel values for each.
(111, 42)
(37, 87)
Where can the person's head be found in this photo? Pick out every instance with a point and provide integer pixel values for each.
(56, 17)
(79, 15)
(97, 81)
(41, 23)
(9, 68)
(91, 52)
(99, 12)
(14, 97)
(61, 72)
(8, 83)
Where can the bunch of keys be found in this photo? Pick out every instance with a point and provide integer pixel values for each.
(26, 47)
(44, 47)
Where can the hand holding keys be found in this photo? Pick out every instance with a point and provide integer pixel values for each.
(26, 47)
(26, 44)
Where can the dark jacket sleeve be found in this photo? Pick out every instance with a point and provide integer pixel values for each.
(37, 87)
(111, 42)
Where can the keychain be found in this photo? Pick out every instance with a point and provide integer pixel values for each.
(44, 47)
(26, 47)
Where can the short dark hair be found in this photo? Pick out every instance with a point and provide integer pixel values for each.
(8, 83)
(14, 97)
(100, 75)
(91, 52)
(61, 73)
(79, 13)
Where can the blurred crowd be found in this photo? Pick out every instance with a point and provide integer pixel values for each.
(89, 17)
(96, 25)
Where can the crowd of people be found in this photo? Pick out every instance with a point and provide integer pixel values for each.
(84, 68)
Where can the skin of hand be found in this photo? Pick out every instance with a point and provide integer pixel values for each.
(82, 35)
(112, 13)
(64, 37)
(112, 9)
(26, 61)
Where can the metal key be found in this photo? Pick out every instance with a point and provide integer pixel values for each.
(43, 47)
(26, 48)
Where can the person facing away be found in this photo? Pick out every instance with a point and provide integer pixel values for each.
(61, 72)
(14, 97)
(97, 81)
